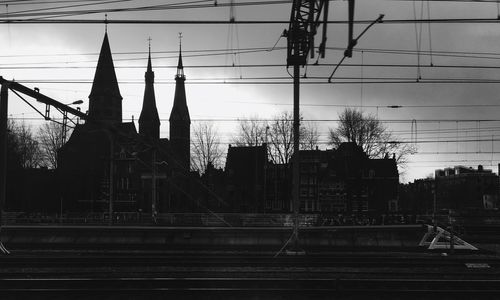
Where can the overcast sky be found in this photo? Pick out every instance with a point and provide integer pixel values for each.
(60, 59)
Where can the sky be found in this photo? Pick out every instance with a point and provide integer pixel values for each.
(442, 76)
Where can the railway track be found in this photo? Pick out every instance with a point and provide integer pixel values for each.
(149, 276)
(312, 260)
(243, 288)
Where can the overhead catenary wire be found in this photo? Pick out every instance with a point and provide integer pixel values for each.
(159, 7)
(264, 81)
(418, 37)
(179, 5)
(208, 53)
(68, 6)
(216, 3)
(243, 22)
(221, 66)
(458, 54)
(430, 31)
(398, 121)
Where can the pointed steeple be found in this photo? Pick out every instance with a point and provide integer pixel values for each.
(180, 67)
(149, 121)
(105, 100)
(180, 122)
(180, 109)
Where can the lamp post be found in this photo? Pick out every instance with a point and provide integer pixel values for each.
(64, 131)
(75, 102)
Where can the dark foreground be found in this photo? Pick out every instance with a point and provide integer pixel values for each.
(243, 275)
(130, 262)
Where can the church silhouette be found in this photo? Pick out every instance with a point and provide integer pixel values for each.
(148, 173)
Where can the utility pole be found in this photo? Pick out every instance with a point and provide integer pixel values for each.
(304, 21)
(4, 94)
(296, 153)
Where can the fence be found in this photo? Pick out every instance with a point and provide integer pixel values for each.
(210, 220)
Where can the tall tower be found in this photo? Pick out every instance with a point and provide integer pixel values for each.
(105, 101)
(180, 122)
(149, 121)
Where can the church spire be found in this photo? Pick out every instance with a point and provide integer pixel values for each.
(105, 100)
(180, 67)
(149, 68)
(180, 109)
(149, 121)
(180, 122)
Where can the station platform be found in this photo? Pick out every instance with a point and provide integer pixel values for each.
(324, 238)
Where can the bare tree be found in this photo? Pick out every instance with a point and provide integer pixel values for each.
(281, 138)
(206, 147)
(251, 132)
(50, 137)
(368, 132)
(278, 134)
(14, 160)
(24, 144)
(309, 136)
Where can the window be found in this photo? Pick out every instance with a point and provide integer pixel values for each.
(122, 153)
(124, 183)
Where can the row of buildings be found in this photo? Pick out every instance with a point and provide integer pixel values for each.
(343, 180)
(109, 165)
(459, 188)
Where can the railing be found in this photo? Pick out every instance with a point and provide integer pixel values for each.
(208, 220)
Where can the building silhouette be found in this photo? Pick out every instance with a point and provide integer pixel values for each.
(459, 188)
(149, 121)
(246, 178)
(346, 180)
(180, 122)
(342, 180)
(108, 165)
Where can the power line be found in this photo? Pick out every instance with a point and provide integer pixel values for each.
(173, 66)
(211, 54)
(458, 54)
(243, 22)
(455, 152)
(464, 54)
(400, 121)
(450, 161)
(38, 2)
(311, 82)
(160, 7)
(372, 106)
(145, 53)
(281, 78)
(181, 5)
